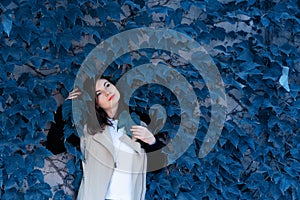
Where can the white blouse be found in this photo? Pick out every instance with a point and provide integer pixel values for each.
(120, 183)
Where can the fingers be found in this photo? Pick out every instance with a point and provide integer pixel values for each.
(143, 134)
(74, 94)
(140, 131)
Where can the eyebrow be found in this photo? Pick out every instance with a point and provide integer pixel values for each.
(103, 85)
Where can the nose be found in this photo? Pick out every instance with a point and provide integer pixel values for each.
(107, 92)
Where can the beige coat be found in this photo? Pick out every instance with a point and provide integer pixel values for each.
(98, 166)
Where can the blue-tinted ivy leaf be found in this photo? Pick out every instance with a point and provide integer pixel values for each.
(25, 31)
(7, 23)
(141, 19)
(45, 117)
(38, 156)
(48, 104)
(5, 3)
(60, 195)
(65, 39)
(265, 21)
(34, 177)
(91, 31)
(211, 176)
(111, 9)
(73, 11)
(13, 163)
(77, 32)
(71, 149)
(125, 120)
(133, 5)
(186, 5)
(44, 38)
(12, 194)
(71, 167)
(295, 152)
(251, 2)
(67, 109)
(30, 162)
(39, 191)
(234, 190)
(232, 137)
(48, 23)
(68, 130)
(285, 183)
(175, 17)
(284, 79)
(35, 138)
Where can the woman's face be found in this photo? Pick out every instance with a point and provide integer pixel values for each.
(107, 95)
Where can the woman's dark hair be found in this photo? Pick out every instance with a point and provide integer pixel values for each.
(102, 118)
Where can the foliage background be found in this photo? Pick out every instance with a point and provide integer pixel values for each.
(255, 45)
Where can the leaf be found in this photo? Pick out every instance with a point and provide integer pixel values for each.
(71, 167)
(143, 18)
(13, 163)
(39, 191)
(285, 183)
(48, 105)
(34, 177)
(125, 120)
(12, 194)
(65, 39)
(175, 17)
(7, 23)
(37, 158)
(45, 117)
(133, 5)
(111, 9)
(284, 79)
(60, 195)
(71, 149)
(73, 12)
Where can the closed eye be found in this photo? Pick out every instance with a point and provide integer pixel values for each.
(98, 94)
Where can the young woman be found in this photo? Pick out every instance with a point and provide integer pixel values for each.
(114, 165)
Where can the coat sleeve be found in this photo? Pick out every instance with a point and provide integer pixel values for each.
(161, 140)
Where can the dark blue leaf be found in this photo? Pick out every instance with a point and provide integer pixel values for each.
(174, 17)
(133, 5)
(60, 195)
(7, 23)
(39, 191)
(45, 117)
(73, 12)
(295, 152)
(13, 163)
(48, 23)
(12, 194)
(48, 105)
(70, 166)
(71, 149)
(34, 177)
(285, 183)
(111, 9)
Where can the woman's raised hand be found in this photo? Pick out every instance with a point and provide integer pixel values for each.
(143, 134)
(74, 94)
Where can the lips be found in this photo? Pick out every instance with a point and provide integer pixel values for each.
(111, 97)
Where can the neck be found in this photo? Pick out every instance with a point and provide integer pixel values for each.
(112, 112)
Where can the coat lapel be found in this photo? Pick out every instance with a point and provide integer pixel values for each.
(104, 139)
(130, 142)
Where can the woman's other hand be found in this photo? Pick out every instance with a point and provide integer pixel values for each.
(74, 94)
(143, 134)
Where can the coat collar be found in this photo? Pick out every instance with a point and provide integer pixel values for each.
(104, 139)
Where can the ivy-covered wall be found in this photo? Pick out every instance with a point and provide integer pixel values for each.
(255, 45)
